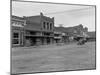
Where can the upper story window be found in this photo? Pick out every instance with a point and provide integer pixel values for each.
(44, 25)
(51, 26)
(47, 25)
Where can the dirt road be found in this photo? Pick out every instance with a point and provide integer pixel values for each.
(53, 58)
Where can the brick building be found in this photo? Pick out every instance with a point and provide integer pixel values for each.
(39, 30)
(17, 30)
(32, 30)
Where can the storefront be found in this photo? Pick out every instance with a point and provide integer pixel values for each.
(17, 31)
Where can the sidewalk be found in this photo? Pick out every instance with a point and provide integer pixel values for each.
(42, 46)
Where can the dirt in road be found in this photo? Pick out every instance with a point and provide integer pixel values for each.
(53, 58)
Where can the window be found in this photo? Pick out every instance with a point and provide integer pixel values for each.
(17, 23)
(16, 38)
(50, 26)
(47, 25)
(44, 27)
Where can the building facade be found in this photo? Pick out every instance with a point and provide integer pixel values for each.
(60, 37)
(17, 30)
(39, 30)
(73, 32)
(57, 37)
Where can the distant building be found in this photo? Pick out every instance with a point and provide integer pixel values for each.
(60, 36)
(74, 32)
(57, 37)
(92, 36)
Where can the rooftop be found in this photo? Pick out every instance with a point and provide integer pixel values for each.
(17, 17)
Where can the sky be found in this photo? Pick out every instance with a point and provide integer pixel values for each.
(65, 14)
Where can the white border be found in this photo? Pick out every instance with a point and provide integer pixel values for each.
(5, 38)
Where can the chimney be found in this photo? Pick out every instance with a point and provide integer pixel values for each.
(41, 13)
(52, 18)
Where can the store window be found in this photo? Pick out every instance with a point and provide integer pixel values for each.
(16, 38)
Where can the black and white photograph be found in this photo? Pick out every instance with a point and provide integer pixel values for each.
(52, 37)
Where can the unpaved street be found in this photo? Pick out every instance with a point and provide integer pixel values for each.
(53, 58)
